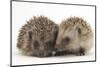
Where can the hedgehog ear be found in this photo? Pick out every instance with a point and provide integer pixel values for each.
(30, 35)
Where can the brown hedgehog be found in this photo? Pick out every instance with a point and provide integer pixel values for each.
(38, 37)
(75, 37)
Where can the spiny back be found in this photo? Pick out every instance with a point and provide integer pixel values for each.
(41, 28)
(73, 21)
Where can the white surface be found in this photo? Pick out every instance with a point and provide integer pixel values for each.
(5, 38)
(23, 11)
(19, 59)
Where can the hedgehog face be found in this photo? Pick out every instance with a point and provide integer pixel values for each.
(42, 49)
(67, 39)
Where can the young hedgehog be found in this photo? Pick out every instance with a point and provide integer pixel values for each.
(75, 37)
(38, 37)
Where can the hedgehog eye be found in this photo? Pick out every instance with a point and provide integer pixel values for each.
(66, 40)
(79, 30)
(36, 44)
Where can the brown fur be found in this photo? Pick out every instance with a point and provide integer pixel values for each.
(75, 36)
(38, 37)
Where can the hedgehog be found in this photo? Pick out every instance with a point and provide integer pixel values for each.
(75, 37)
(37, 37)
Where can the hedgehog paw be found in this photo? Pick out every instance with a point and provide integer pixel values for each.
(81, 52)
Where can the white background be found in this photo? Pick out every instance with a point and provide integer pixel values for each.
(5, 32)
(22, 11)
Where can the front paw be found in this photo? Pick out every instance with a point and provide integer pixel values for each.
(81, 52)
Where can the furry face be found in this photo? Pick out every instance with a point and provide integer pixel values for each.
(43, 49)
(68, 39)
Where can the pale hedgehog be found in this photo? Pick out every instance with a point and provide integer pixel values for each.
(75, 37)
(38, 37)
